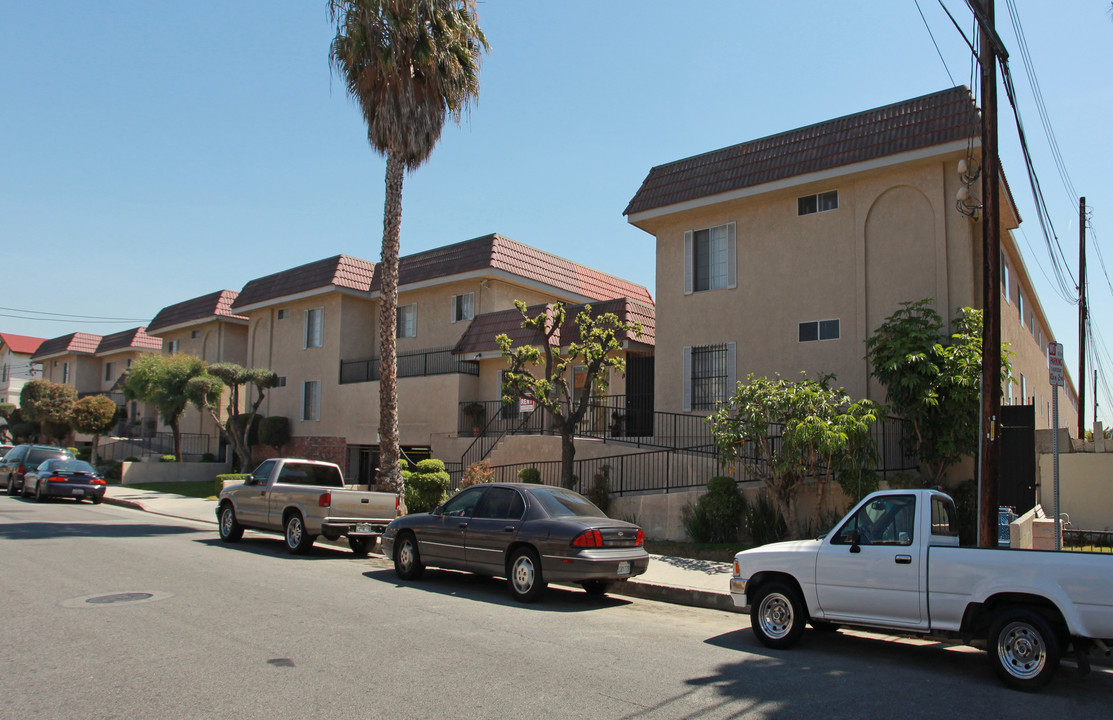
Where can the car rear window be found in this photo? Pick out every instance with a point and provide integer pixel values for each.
(79, 466)
(559, 502)
(315, 475)
(37, 455)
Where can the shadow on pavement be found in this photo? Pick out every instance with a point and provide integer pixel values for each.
(274, 547)
(557, 598)
(43, 530)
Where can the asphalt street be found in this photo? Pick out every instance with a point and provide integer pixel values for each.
(115, 613)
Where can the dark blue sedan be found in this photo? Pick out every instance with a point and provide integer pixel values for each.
(64, 477)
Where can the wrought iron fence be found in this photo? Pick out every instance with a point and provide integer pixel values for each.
(423, 363)
(1100, 541)
(159, 444)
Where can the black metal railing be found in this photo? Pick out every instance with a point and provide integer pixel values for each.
(422, 363)
(1100, 541)
(158, 444)
(486, 438)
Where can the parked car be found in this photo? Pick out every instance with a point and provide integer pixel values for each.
(22, 458)
(530, 534)
(64, 477)
(4, 450)
(894, 563)
(303, 499)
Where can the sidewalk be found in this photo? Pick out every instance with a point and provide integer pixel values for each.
(699, 583)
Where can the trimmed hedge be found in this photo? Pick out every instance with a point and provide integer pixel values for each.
(427, 486)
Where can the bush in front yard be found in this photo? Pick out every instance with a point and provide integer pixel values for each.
(427, 486)
(168, 458)
(530, 475)
(600, 491)
(274, 431)
(234, 477)
(765, 522)
(717, 515)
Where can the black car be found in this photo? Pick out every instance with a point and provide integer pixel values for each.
(530, 534)
(23, 458)
(65, 477)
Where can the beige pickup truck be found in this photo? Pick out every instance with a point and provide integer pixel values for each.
(303, 499)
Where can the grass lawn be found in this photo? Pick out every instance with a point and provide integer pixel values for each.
(207, 489)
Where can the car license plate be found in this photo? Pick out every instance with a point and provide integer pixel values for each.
(624, 567)
(78, 491)
(365, 529)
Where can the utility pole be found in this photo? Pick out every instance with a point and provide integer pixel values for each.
(1082, 321)
(990, 49)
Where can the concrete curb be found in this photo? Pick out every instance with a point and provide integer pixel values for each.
(674, 595)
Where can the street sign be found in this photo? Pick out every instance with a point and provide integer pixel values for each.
(1055, 364)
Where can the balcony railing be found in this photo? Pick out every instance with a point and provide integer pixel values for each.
(423, 363)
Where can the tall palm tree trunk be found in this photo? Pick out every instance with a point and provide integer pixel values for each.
(388, 322)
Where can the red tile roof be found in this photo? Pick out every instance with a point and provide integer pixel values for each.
(213, 305)
(23, 344)
(340, 271)
(481, 333)
(78, 343)
(914, 124)
(134, 339)
(501, 253)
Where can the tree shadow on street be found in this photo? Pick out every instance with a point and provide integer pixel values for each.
(46, 530)
(274, 546)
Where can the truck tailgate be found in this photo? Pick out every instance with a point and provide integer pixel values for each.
(362, 505)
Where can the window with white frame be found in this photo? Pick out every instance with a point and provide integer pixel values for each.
(710, 259)
(172, 347)
(1023, 389)
(463, 307)
(195, 334)
(311, 400)
(314, 327)
(283, 313)
(820, 202)
(818, 330)
(108, 372)
(65, 373)
(710, 373)
(280, 381)
(407, 321)
(1005, 278)
(1020, 305)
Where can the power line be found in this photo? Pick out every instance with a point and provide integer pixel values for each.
(71, 316)
(932, 36)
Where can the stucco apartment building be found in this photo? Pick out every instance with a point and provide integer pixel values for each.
(16, 367)
(797, 246)
(95, 365)
(316, 326)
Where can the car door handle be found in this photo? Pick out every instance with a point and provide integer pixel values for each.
(462, 525)
(510, 528)
(904, 559)
(263, 494)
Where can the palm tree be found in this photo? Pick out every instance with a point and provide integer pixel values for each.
(408, 64)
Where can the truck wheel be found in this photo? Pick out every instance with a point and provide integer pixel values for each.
(230, 530)
(1023, 649)
(778, 616)
(524, 577)
(407, 560)
(361, 545)
(298, 541)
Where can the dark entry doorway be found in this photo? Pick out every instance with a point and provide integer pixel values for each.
(1016, 486)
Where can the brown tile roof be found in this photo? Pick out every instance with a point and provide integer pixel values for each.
(134, 339)
(341, 271)
(922, 122)
(78, 343)
(501, 253)
(23, 344)
(480, 335)
(217, 304)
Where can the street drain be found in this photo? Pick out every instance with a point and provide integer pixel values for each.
(281, 662)
(120, 597)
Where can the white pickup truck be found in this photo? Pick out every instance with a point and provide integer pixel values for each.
(893, 563)
(303, 499)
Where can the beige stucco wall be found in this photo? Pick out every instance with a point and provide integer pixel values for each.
(18, 372)
(134, 473)
(1085, 488)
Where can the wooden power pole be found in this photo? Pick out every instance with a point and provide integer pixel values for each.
(1082, 321)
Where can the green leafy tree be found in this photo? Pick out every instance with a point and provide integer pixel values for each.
(49, 404)
(274, 432)
(206, 390)
(95, 416)
(595, 348)
(162, 380)
(933, 381)
(824, 434)
(408, 65)
(6, 412)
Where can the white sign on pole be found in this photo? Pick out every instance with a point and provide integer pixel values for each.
(526, 405)
(1055, 363)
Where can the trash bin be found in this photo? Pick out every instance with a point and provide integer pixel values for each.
(1005, 515)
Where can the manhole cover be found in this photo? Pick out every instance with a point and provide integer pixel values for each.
(120, 597)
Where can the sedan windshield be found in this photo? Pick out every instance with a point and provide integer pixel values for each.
(70, 466)
(559, 503)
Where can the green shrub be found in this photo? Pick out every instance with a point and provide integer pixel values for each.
(426, 487)
(131, 458)
(765, 522)
(235, 477)
(718, 514)
(274, 431)
(530, 475)
(110, 469)
(168, 458)
(600, 491)
(208, 457)
(83, 453)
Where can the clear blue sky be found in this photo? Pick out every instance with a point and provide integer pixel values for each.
(154, 152)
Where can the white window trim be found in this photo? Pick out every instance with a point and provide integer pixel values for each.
(816, 196)
(455, 308)
(732, 258)
(321, 337)
(398, 326)
(317, 410)
(686, 369)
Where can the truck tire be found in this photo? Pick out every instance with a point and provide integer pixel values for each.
(298, 541)
(361, 545)
(524, 575)
(230, 529)
(11, 486)
(1022, 648)
(407, 559)
(778, 616)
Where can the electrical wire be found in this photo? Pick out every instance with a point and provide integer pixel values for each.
(71, 316)
(68, 320)
(932, 36)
